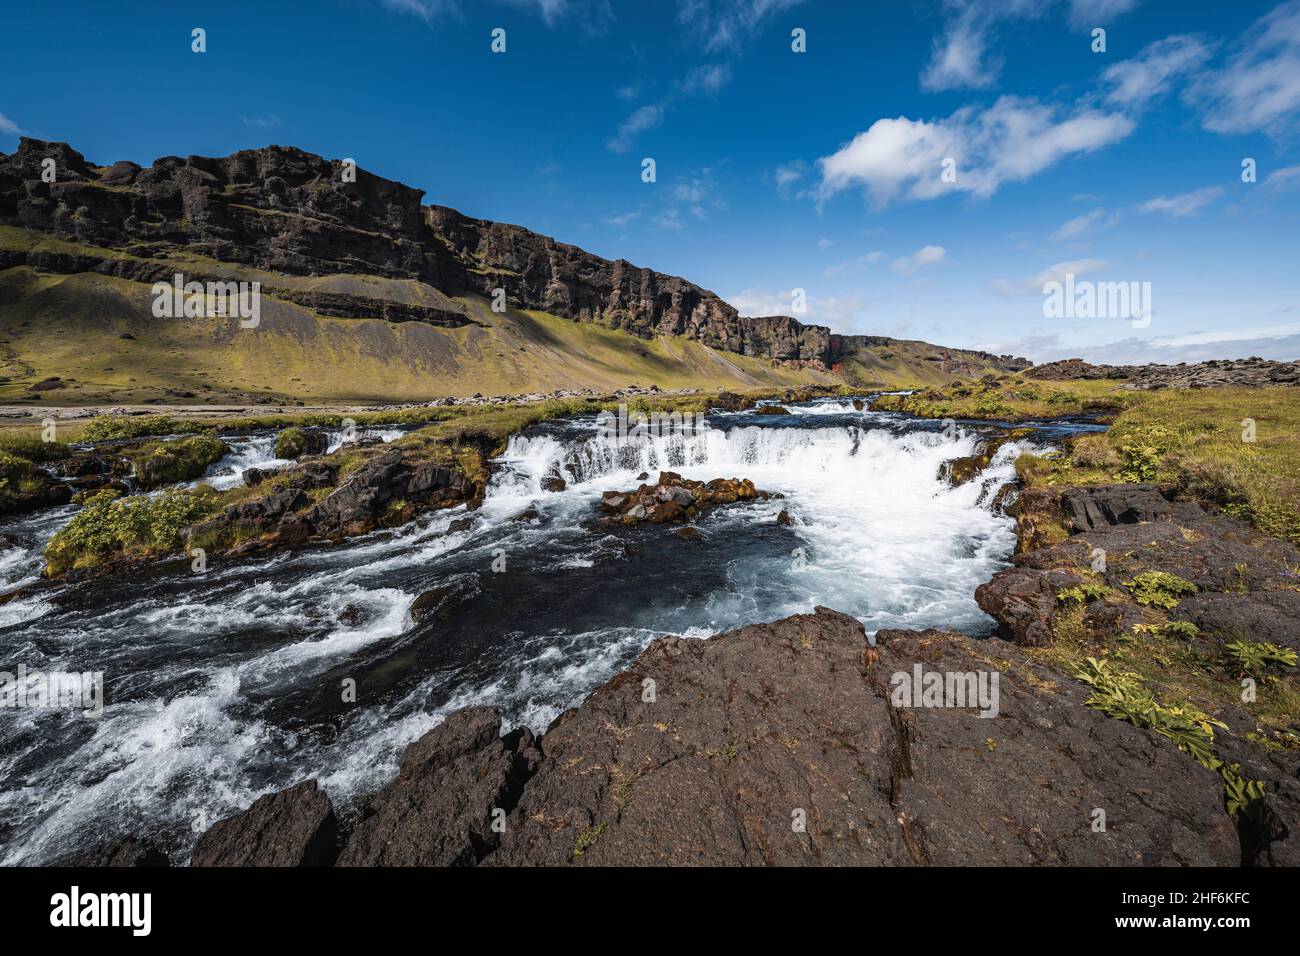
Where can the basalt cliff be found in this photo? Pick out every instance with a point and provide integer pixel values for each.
(293, 214)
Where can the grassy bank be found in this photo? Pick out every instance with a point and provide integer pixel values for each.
(1238, 448)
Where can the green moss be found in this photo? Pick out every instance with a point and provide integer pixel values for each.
(114, 427)
(109, 525)
(33, 448)
(170, 462)
(295, 442)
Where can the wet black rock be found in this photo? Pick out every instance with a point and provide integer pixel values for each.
(127, 852)
(295, 827)
(454, 789)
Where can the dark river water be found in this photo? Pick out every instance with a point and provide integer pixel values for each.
(224, 685)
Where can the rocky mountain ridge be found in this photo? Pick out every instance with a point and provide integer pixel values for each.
(295, 214)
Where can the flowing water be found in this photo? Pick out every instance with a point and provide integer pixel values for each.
(227, 684)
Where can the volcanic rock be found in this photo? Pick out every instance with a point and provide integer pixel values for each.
(295, 827)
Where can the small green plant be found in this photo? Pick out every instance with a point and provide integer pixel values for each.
(1240, 795)
(1254, 658)
(1159, 589)
(587, 838)
(991, 403)
(1185, 629)
(1083, 593)
(1120, 695)
(1141, 452)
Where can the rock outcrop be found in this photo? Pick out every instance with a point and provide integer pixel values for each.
(1131, 564)
(674, 499)
(455, 786)
(295, 827)
(1244, 373)
(791, 743)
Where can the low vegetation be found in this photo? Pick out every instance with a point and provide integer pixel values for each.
(136, 526)
(1236, 448)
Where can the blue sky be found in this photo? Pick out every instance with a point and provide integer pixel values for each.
(775, 170)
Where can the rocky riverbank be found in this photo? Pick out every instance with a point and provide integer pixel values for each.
(775, 744)
(1136, 709)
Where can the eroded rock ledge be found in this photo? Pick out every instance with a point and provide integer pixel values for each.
(777, 744)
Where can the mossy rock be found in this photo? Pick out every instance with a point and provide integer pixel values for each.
(296, 442)
(171, 462)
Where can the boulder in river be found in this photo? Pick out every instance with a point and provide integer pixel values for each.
(674, 499)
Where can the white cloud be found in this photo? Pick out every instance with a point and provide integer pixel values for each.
(9, 127)
(1133, 83)
(925, 256)
(1182, 204)
(622, 218)
(707, 79)
(1010, 141)
(1288, 177)
(628, 92)
(825, 243)
(1053, 273)
(1258, 89)
(1082, 225)
(426, 10)
(957, 59)
(638, 122)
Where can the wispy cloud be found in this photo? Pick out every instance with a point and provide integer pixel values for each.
(1098, 13)
(1137, 81)
(9, 127)
(839, 312)
(1053, 273)
(1080, 226)
(638, 121)
(262, 122)
(925, 256)
(1182, 204)
(1281, 343)
(960, 56)
(855, 264)
(1258, 89)
(622, 218)
(728, 24)
(1288, 177)
(592, 15)
(707, 79)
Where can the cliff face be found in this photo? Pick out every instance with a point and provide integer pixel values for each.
(284, 210)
